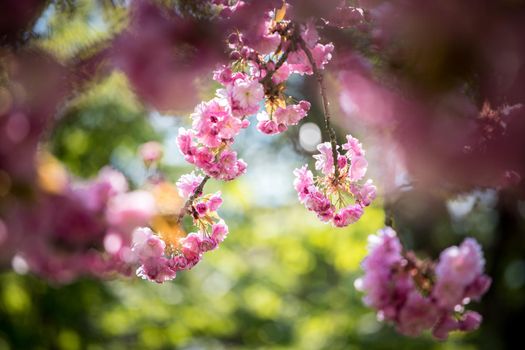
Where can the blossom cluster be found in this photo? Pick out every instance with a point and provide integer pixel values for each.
(160, 258)
(417, 295)
(252, 84)
(337, 198)
(78, 228)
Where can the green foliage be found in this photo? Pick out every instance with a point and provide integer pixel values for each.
(104, 119)
(70, 28)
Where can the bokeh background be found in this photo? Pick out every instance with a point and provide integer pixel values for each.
(282, 279)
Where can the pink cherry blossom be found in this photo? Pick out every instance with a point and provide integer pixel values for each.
(303, 183)
(157, 270)
(228, 167)
(364, 194)
(215, 202)
(190, 247)
(149, 249)
(219, 231)
(269, 127)
(298, 61)
(201, 208)
(393, 286)
(213, 122)
(458, 268)
(146, 244)
(358, 168)
(263, 40)
(384, 290)
(353, 146)
(337, 190)
(417, 315)
(446, 324)
(282, 74)
(461, 263)
(348, 215)
(185, 141)
(470, 321)
(324, 160)
(248, 94)
(478, 287)
(151, 151)
(320, 204)
(292, 114)
(188, 183)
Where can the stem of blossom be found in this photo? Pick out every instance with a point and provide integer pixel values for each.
(278, 65)
(189, 202)
(320, 80)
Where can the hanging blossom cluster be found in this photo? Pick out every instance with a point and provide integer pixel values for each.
(417, 295)
(253, 83)
(336, 197)
(161, 258)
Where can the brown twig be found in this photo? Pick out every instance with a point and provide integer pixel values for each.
(278, 65)
(326, 110)
(189, 202)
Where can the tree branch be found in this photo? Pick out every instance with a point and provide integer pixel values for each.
(326, 110)
(278, 65)
(189, 202)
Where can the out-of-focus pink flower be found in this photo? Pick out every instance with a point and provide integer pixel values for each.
(358, 168)
(129, 210)
(146, 244)
(398, 287)
(417, 315)
(151, 152)
(445, 325)
(299, 63)
(458, 267)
